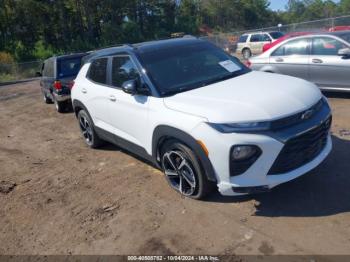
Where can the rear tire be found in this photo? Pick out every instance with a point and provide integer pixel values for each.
(88, 131)
(246, 53)
(183, 170)
(61, 106)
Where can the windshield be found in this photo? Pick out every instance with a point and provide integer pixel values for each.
(346, 37)
(68, 67)
(276, 35)
(181, 68)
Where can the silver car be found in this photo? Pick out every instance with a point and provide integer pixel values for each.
(323, 59)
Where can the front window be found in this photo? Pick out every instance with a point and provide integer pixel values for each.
(68, 67)
(123, 69)
(326, 46)
(181, 68)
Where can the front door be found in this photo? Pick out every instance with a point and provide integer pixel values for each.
(292, 58)
(128, 114)
(327, 69)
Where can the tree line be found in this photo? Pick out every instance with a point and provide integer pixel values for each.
(36, 29)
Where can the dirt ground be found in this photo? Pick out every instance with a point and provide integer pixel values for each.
(59, 197)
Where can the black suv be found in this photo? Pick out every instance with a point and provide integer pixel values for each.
(57, 75)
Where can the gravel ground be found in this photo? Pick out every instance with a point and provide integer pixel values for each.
(59, 197)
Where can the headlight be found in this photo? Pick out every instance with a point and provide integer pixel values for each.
(241, 127)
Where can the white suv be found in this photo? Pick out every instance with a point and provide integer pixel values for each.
(202, 116)
(252, 43)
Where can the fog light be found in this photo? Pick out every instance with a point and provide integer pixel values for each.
(242, 157)
(243, 152)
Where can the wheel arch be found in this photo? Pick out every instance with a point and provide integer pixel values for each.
(77, 106)
(164, 133)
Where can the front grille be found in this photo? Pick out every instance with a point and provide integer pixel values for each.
(302, 149)
(296, 118)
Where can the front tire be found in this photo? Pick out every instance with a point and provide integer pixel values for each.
(183, 171)
(87, 129)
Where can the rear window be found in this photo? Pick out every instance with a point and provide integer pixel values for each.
(48, 69)
(295, 47)
(276, 35)
(68, 67)
(98, 71)
(243, 39)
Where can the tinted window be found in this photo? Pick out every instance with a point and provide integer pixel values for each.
(98, 71)
(48, 68)
(295, 47)
(189, 66)
(255, 38)
(326, 46)
(346, 37)
(260, 38)
(68, 67)
(123, 69)
(243, 39)
(276, 35)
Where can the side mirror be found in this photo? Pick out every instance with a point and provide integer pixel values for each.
(344, 52)
(130, 87)
(38, 74)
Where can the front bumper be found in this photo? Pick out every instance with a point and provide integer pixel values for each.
(258, 177)
(61, 97)
(271, 181)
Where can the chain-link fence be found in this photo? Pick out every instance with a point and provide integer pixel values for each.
(19, 71)
(228, 41)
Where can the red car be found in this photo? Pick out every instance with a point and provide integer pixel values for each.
(281, 39)
(339, 28)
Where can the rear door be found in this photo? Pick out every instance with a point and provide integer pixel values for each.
(292, 58)
(327, 69)
(95, 93)
(257, 41)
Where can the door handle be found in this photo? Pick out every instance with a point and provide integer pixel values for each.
(279, 59)
(112, 98)
(317, 61)
(84, 91)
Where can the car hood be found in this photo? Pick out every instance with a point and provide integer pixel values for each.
(255, 96)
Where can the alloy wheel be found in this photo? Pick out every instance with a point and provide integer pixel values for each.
(179, 172)
(86, 129)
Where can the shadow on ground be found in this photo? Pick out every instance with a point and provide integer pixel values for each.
(322, 192)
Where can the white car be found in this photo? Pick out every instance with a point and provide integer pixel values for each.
(201, 116)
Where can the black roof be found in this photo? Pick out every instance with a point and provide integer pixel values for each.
(338, 33)
(142, 47)
(71, 55)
